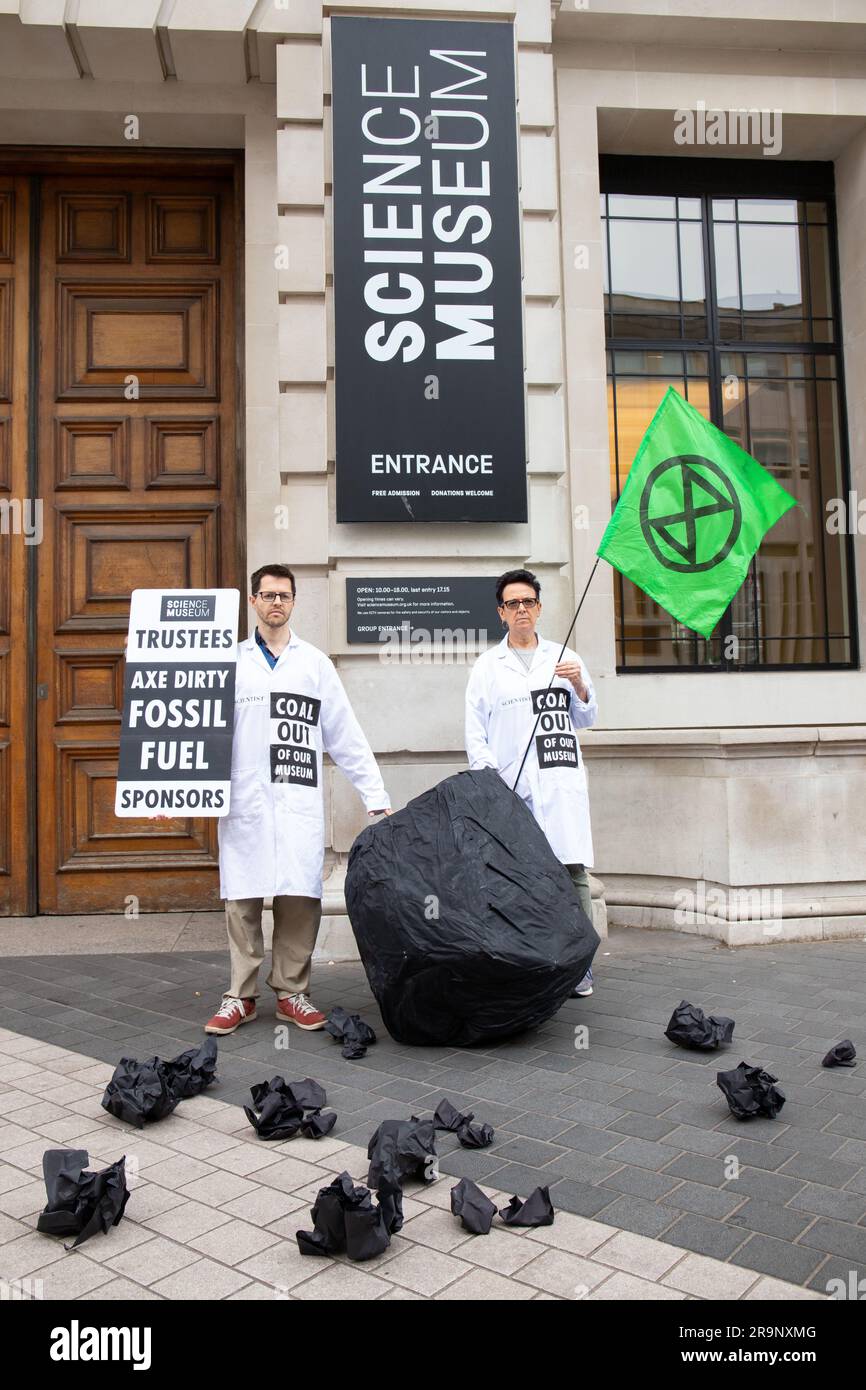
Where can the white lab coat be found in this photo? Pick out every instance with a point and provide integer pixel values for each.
(272, 842)
(499, 721)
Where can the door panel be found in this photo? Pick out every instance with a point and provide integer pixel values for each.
(16, 770)
(138, 466)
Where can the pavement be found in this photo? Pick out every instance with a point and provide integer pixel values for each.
(659, 1192)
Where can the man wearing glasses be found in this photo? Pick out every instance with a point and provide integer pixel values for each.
(290, 708)
(506, 690)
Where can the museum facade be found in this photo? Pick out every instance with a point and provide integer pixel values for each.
(655, 193)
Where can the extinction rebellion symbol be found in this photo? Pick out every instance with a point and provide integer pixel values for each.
(708, 523)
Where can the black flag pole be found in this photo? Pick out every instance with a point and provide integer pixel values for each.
(556, 663)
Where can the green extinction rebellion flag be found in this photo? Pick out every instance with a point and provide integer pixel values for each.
(694, 509)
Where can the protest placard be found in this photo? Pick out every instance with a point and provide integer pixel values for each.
(178, 703)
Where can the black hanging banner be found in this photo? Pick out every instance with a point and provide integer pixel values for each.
(427, 280)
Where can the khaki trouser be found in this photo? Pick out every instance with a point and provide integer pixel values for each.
(296, 926)
(582, 888)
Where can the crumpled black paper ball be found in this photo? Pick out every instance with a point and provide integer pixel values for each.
(345, 1219)
(282, 1109)
(140, 1093)
(351, 1030)
(193, 1071)
(750, 1091)
(690, 1027)
(476, 1211)
(842, 1055)
(81, 1203)
(471, 1136)
(400, 1149)
(537, 1210)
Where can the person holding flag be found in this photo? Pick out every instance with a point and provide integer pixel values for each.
(692, 515)
(515, 688)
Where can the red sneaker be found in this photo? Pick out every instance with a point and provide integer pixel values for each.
(298, 1009)
(230, 1015)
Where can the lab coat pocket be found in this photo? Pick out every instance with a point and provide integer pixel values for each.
(566, 781)
(247, 801)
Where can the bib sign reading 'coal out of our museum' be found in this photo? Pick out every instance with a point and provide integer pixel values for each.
(178, 703)
(293, 746)
(555, 742)
(427, 280)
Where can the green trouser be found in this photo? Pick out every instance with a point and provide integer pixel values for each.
(581, 882)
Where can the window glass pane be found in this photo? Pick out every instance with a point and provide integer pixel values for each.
(727, 275)
(709, 651)
(697, 393)
(840, 650)
(643, 265)
(819, 273)
(779, 434)
(730, 327)
(648, 629)
(646, 326)
(665, 642)
(770, 270)
(723, 209)
(826, 406)
(612, 433)
(778, 365)
(776, 589)
(637, 399)
(743, 625)
(659, 363)
(762, 329)
(816, 212)
(766, 210)
(635, 205)
(688, 653)
(732, 364)
(692, 267)
(790, 613)
(736, 420)
(689, 208)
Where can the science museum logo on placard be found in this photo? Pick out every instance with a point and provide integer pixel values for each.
(188, 608)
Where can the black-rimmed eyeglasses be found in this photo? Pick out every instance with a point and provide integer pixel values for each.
(512, 604)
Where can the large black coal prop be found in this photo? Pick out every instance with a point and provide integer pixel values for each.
(468, 925)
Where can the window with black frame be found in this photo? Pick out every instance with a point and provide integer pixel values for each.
(731, 298)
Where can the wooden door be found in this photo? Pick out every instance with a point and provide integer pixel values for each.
(16, 556)
(140, 473)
